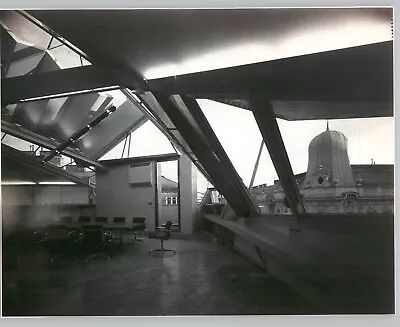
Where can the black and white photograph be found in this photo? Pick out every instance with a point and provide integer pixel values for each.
(197, 161)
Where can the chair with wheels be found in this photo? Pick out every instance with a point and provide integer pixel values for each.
(84, 219)
(93, 242)
(139, 227)
(60, 242)
(101, 220)
(118, 228)
(162, 234)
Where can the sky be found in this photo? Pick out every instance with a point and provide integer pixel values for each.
(237, 131)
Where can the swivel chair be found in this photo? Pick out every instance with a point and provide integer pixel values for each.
(139, 227)
(83, 219)
(93, 241)
(60, 242)
(162, 234)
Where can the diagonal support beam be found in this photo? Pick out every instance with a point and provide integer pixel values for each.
(226, 165)
(29, 136)
(50, 84)
(152, 115)
(354, 74)
(77, 135)
(201, 147)
(36, 163)
(266, 121)
(256, 165)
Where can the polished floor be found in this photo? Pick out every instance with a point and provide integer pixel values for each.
(203, 278)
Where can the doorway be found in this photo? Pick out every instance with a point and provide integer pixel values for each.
(169, 194)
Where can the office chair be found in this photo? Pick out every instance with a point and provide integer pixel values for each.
(162, 234)
(139, 227)
(59, 241)
(101, 220)
(66, 220)
(93, 242)
(83, 219)
(118, 228)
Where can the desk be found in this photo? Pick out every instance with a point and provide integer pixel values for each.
(132, 229)
(120, 230)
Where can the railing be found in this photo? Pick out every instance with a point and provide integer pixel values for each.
(200, 196)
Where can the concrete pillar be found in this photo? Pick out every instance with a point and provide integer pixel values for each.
(188, 194)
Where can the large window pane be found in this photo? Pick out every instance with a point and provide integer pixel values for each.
(145, 141)
(238, 133)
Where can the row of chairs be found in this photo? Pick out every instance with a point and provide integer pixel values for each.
(91, 237)
(88, 235)
(101, 219)
(62, 242)
(58, 241)
(138, 226)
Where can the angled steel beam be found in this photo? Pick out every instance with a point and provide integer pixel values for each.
(151, 114)
(361, 73)
(36, 163)
(266, 121)
(256, 165)
(226, 165)
(57, 83)
(77, 135)
(213, 164)
(29, 136)
(135, 125)
(123, 150)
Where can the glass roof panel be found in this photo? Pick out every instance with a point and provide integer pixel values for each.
(17, 143)
(66, 58)
(23, 30)
(145, 141)
(25, 66)
(239, 135)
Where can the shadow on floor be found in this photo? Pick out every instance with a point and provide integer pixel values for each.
(203, 278)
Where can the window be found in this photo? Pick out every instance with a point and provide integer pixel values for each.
(171, 200)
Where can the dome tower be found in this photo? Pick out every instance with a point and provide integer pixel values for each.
(328, 161)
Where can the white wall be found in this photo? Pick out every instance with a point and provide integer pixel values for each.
(36, 206)
(188, 194)
(116, 197)
(44, 194)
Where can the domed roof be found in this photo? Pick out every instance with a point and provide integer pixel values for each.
(328, 161)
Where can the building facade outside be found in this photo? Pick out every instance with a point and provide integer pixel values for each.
(332, 185)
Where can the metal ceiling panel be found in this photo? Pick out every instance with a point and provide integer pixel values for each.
(22, 166)
(55, 82)
(174, 42)
(45, 142)
(111, 130)
(72, 113)
(363, 73)
(309, 110)
(7, 49)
